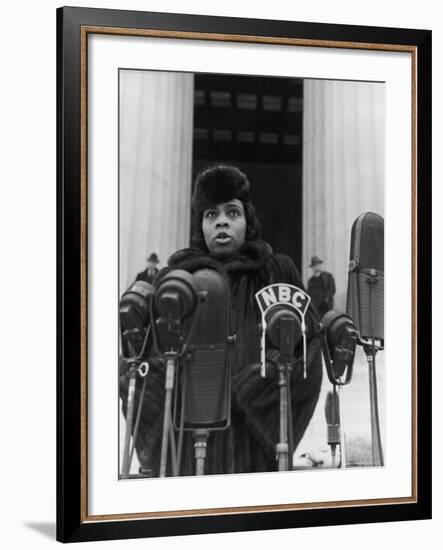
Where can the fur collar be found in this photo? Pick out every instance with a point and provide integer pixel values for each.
(251, 257)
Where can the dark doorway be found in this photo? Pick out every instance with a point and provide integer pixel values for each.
(256, 123)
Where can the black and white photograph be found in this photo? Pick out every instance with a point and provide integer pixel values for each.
(251, 260)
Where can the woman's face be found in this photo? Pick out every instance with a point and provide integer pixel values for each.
(224, 228)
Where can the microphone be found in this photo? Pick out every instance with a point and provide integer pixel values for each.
(365, 304)
(206, 372)
(332, 414)
(365, 295)
(339, 339)
(283, 307)
(175, 300)
(134, 313)
(283, 329)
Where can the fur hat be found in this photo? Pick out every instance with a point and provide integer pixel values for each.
(219, 184)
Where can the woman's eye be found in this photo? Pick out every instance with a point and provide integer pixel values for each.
(210, 214)
(234, 212)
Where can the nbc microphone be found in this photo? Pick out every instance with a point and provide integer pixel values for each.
(284, 331)
(283, 328)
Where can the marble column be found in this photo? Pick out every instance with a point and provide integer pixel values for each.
(343, 176)
(156, 124)
(343, 168)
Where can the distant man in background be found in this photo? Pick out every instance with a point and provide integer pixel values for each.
(151, 270)
(321, 287)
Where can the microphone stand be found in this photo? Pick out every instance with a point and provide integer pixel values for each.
(284, 447)
(341, 427)
(371, 348)
(200, 444)
(168, 433)
(332, 414)
(135, 366)
(129, 420)
(128, 450)
(172, 356)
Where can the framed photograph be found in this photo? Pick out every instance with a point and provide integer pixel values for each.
(244, 271)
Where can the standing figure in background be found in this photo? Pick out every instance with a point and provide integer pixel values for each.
(321, 287)
(151, 270)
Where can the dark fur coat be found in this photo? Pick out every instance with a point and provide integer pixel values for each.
(248, 444)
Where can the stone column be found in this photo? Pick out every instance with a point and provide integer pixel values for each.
(156, 132)
(343, 168)
(343, 176)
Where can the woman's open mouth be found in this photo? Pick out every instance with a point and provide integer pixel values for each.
(222, 238)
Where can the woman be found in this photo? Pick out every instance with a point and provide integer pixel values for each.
(226, 237)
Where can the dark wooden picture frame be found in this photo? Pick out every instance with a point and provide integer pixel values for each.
(73, 26)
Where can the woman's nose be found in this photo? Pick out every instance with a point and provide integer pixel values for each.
(222, 221)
